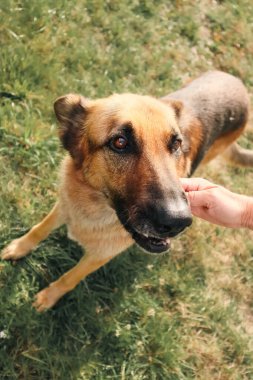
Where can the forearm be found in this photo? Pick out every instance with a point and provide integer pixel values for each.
(247, 213)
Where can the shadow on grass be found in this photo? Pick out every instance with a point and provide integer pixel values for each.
(80, 328)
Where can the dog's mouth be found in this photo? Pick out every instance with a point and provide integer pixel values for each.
(148, 241)
(143, 232)
(151, 244)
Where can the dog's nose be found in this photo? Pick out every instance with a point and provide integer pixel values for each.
(169, 223)
(174, 225)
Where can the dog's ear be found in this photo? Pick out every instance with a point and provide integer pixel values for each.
(71, 111)
(175, 104)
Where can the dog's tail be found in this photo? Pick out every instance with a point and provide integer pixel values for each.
(238, 156)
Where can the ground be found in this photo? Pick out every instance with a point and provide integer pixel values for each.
(186, 315)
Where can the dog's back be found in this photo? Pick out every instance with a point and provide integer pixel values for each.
(217, 99)
(221, 103)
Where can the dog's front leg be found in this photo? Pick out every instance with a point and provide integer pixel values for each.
(22, 246)
(47, 297)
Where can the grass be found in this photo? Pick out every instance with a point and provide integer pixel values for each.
(186, 315)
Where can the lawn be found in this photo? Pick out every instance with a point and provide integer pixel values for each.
(185, 315)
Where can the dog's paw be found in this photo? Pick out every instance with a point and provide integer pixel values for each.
(15, 250)
(46, 298)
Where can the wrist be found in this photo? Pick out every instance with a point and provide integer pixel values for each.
(247, 213)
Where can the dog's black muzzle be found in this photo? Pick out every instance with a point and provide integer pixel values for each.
(153, 224)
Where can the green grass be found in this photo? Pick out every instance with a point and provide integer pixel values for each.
(187, 315)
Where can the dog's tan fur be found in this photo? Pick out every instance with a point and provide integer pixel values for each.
(92, 173)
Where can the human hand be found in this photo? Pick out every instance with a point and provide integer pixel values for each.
(218, 205)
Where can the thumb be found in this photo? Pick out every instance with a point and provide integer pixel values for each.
(197, 198)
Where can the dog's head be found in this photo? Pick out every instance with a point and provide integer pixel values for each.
(129, 147)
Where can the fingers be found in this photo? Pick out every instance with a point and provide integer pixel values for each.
(198, 199)
(197, 192)
(196, 184)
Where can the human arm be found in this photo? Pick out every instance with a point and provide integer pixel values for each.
(218, 205)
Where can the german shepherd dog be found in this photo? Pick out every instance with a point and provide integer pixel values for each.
(119, 184)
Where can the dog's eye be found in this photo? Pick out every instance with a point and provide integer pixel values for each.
(175, 144)
(119, 143)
